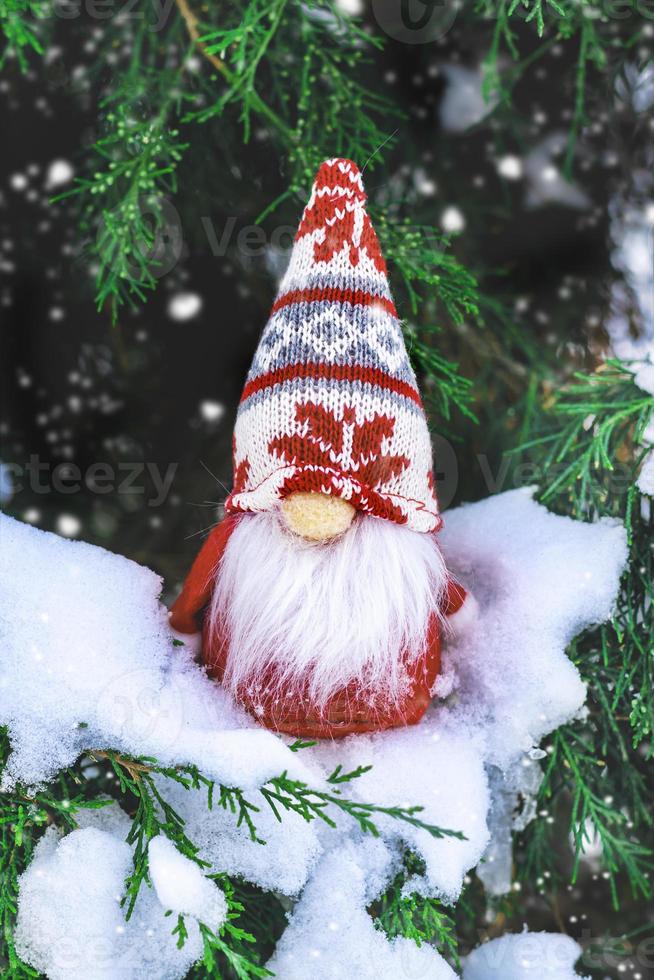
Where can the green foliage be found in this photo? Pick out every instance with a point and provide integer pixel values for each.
(141, 789)
(126, 211)
(20, 25)
(588, 24)
(409, 914)
(591, 452)
(307, 58)
(126, 203)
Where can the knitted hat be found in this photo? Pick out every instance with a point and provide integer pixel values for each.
(331, 403)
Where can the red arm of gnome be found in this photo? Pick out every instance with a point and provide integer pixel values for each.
(454, 597)
(186, 612)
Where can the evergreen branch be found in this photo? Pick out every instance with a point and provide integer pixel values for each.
(295, 796)
(230, 947)
(192, 26)
(409, 914)
(571, 20)
(534, 11)
(575, 762)
(331, 112)
(594, 459)
(133, 232)
(20, 24)
(153, 815)
(216, 948)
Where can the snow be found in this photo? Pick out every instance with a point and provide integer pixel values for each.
(211, 411)
(633, 238)
(229, 848)
(463, 103)
(545, 182)
(18, 182)
(510, 167)
(184, 306)
(59, 172)
(70, 922)
(644, 376)
(181, 886)
(412, 757)
(452, 220)
(68, 525)
(88, 662)
(353, 8)
(528, 956)
(6, 483)
(632, 233)
(645, 481)
(85, 640)
(331, 930)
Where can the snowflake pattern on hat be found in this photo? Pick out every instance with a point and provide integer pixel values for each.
(331, 403)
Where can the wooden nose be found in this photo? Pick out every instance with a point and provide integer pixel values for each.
(317, 516)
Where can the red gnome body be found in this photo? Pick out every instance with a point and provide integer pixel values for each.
(322, 594)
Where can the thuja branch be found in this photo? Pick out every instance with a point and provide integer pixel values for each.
(20, 21)
(141, 783)
(192, 26)
(401, 912)
(136, 776)
(590, 440)
(295, 796)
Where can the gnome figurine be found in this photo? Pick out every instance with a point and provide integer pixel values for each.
(322, 595)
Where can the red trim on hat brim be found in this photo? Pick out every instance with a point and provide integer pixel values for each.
(332, 372)
(357, 297)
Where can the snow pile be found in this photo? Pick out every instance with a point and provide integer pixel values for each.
(436, 765)
(181, 886)
(88, 662)
(645, 481)
(282, 864)
(528, 956)
(331, 935)
(70, 922)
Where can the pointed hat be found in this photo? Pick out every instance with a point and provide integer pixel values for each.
(331, 404)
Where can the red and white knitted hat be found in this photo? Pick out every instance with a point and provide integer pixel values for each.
(331, 403)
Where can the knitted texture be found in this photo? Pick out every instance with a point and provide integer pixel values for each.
(331, 403)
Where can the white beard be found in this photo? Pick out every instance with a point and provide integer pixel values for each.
(318, 616)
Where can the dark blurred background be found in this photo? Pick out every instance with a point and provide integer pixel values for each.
(153, 397)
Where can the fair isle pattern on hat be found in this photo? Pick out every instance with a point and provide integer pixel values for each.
(331, 404)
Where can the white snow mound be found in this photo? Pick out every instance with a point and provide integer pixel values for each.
(527, 956)
(88, 662)
(181, 886)
(70, 922)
